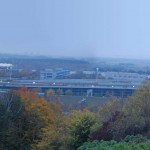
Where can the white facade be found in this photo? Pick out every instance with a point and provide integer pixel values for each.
(122, 75)
(5, 65)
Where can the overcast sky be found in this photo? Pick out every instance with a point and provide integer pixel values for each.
(89, 28)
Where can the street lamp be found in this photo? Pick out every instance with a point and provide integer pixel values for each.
(97, 69)
(10, 73)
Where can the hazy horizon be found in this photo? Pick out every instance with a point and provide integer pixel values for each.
(80, 28)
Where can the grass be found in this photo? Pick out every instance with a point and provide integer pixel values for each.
(75, 101)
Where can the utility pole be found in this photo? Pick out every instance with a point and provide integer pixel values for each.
(10, 73)
(97, 70)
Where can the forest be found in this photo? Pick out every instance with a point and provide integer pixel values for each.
(30, 122)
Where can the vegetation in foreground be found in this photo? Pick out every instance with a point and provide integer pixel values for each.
(30, 122)
(134, 143)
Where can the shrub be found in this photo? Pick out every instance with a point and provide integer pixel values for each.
(113, 145)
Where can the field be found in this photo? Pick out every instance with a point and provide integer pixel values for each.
(76, 101)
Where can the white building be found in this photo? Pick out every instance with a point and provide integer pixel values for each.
(123, 75)
(5, 66)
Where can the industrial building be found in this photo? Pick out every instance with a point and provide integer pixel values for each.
(4, 66)
(123, 76)
(57, 73)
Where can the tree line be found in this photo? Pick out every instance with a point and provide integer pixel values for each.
(28, 121)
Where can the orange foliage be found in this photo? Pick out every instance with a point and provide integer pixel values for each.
(46, 116)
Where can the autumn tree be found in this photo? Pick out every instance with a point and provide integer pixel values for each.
(51, 95)
(135, 118)
(59, 92)
(129, 118)
(43, 128)
(108, 113)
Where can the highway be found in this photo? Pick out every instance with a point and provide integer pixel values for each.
(117, 88)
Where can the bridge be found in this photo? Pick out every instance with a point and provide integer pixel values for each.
(78, 87)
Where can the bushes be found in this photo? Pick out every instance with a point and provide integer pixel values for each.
(129, 143)
(135, 139)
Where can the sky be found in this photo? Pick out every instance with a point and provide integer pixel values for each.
(76, 28)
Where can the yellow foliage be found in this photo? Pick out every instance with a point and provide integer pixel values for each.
(45, 116)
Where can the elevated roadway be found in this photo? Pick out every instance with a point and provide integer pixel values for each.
(123, 88)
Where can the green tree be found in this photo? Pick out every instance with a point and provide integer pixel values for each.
(68, 92)
(11, 127)
(80, 124)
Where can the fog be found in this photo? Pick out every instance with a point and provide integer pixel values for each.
(76, 28)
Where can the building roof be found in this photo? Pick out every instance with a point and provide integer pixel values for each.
(5, 65)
